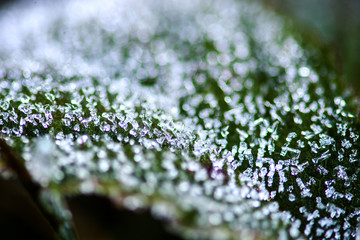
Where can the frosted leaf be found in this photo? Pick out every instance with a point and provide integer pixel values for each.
(210, 109)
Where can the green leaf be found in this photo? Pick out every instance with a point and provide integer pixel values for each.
(208, 114)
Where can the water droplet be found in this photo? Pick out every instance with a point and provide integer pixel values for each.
(292, 197)
(104, 165)
(304, 72)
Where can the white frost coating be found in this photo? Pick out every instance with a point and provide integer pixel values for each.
(45, 168)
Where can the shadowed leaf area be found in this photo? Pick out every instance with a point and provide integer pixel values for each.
(97, 218)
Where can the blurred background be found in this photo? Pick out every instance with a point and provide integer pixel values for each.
(330, 24)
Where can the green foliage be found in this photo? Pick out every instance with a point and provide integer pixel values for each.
(209, 114)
